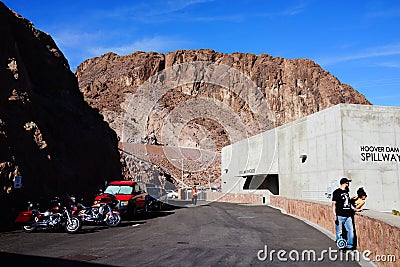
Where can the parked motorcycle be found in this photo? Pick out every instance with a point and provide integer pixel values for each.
(58, 216)
(102, 211)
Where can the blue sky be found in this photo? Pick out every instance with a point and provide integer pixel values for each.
(356, 41)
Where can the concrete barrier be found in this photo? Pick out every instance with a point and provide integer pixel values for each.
(235, 198)
(377, 232)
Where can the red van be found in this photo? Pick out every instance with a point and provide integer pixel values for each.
(131, 195)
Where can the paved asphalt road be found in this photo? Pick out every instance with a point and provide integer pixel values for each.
(216, 234)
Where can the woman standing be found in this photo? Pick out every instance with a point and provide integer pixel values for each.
(360, 200)
(357, 204)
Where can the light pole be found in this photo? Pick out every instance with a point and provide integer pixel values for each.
(182, 173)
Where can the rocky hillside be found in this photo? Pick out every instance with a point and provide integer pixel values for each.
(203, 98)
(49, 135)
(162, 165)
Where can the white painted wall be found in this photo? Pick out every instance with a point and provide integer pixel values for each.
(319, 137)
(378, 127)
(255, 155)
(332, 140)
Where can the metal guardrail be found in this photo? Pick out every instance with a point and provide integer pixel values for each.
(187, 194)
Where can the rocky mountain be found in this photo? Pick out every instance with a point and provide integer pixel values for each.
(205, 99)
(49, 135)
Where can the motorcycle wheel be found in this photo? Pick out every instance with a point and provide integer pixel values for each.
(147, 208)
(74, 225)
(29, 228)
(113, 220)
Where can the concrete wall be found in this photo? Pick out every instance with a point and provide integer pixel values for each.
(377, 232)
(333, 140)
(318, 137)
(255, 155)
(365, 127)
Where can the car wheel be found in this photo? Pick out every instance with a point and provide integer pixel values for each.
(134, 211)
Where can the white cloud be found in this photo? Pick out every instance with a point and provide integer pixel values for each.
(74, 39)
(389, 64)
(80, 46)
(155, 44)
(378, 82)
(294, 10)
(381, 51)
(182, 4)
(216, 18)
(148, 12)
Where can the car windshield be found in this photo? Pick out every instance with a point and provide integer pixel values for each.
(118, 189)
(153, 191)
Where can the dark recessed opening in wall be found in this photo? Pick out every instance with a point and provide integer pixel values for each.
(262, 182)
(271, 183)
(303, 158)
(247, 182)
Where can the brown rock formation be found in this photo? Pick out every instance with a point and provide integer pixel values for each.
(48, 134)
(292, 88)
(206, 99)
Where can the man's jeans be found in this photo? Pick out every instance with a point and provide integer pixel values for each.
(194, 200)
(348, 224)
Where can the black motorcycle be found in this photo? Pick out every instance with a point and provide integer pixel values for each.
(57, 216)
(100, 212)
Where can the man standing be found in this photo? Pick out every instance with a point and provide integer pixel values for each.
(194, 195)
(342, 214)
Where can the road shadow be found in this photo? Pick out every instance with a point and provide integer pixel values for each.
(92, 229)
(130, 223)
(157, 214)
(28, 260)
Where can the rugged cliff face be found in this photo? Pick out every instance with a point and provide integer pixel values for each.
(48, 134)
(206, 99)
(291, 89)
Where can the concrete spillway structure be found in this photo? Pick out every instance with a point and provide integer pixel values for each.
(306, 158)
